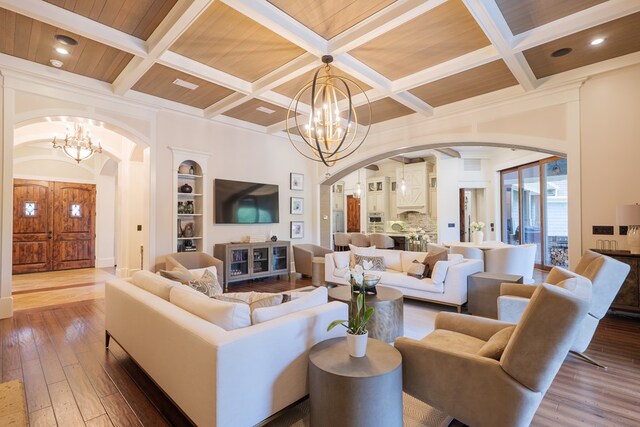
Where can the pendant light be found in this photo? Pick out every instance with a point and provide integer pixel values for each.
(358, 191)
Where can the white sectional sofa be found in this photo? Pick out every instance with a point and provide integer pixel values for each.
(448, 284)
(217, 377)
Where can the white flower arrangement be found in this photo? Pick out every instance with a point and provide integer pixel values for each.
(477, 226)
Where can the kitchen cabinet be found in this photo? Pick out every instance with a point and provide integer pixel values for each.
(415, 195)
(378, 195)
(432, 180)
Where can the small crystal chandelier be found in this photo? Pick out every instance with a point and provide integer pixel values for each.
(78, 145)
(325, 117)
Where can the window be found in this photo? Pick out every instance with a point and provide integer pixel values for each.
(30, 208)
(75, 211)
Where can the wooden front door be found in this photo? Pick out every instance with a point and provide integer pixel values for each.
(32, 226)
(353, 214)
(53, 226)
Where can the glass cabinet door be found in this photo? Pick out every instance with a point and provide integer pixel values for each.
(260, 260)
(280, 259)
(239, 264)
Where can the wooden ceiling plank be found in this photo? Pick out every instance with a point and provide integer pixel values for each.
(443, 33)
(386, 20)
(273, 18)
(62, 18)
(8, 21)
(328, 18)
(622, 37)
(524, 15)
(478, 81)
(96, 9)
(596, 15)
(490, 19)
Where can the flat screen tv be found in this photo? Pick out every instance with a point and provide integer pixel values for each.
(238, 202)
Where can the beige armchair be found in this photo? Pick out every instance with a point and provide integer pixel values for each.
(341, 241)
(606, 276)
(381, 241)
(460, 369)
(360, 240)
(193, 260)
(303, 256)
(518, 260)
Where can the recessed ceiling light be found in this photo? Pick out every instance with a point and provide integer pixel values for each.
(185, 84)
(561, 52)
(266, 110)
(597, 41)
(56, 63)
(66, 40)
(62, 51)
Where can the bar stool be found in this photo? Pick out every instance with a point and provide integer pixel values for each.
(341, 241)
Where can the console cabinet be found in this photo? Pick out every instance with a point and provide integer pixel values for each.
(245, 261)
(628, 298)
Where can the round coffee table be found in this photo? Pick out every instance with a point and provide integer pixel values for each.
(386, 321)
(350, 391)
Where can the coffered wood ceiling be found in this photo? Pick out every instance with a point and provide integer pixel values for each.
(138, 18)
(410, 56)
(444, 33)
(328, 18)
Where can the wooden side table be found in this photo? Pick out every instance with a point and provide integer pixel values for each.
(386, 322)
(347, 391)
(483, 290)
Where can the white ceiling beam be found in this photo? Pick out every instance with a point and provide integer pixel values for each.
(269, 16)
(85, 27)
(357, 69)
(205, 72)
(454, 66)
(448, 152)
(379, 23)
(172, 26)
(490, 19)
(596, 15)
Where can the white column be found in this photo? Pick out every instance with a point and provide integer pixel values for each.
(7, 103)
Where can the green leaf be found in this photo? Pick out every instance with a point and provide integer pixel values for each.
(336, 323)
(367, 314)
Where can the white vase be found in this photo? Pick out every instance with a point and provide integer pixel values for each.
(477, 237)
(357, 344)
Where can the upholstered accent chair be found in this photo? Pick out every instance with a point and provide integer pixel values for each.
(360, 240)
(303, 255)
(518, 260)
(606, 275)
(341, 241)
(193, 260)
(488, 373)
(467, 252)
(381, 241)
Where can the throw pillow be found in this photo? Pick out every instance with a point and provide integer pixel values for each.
(314, 298)
(207, 284)
(373, 263)
(416, 269)
(494, 348)
(179, 274)
(224, 314)
(362, 251)
(431, 259)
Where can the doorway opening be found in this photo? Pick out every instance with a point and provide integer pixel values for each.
(472, 208)
(535, 209)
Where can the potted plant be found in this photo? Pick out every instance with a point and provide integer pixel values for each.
(359, 314)
(478, 234)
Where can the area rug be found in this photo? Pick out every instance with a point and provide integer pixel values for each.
(416, 414)
(13, 408)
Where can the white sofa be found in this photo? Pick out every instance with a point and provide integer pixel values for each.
(217, 377)
(450, 290)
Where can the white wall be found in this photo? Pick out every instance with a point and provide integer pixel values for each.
(235, 154)
(610, 134)
(106, 215)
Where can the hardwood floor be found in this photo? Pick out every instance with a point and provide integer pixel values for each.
(58, 351)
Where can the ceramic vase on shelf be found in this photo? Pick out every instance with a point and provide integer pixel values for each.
(357, 344)
(478, 236)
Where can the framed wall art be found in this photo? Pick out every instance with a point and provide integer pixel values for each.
(297, 229)
(296, 181)
(297, 205)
